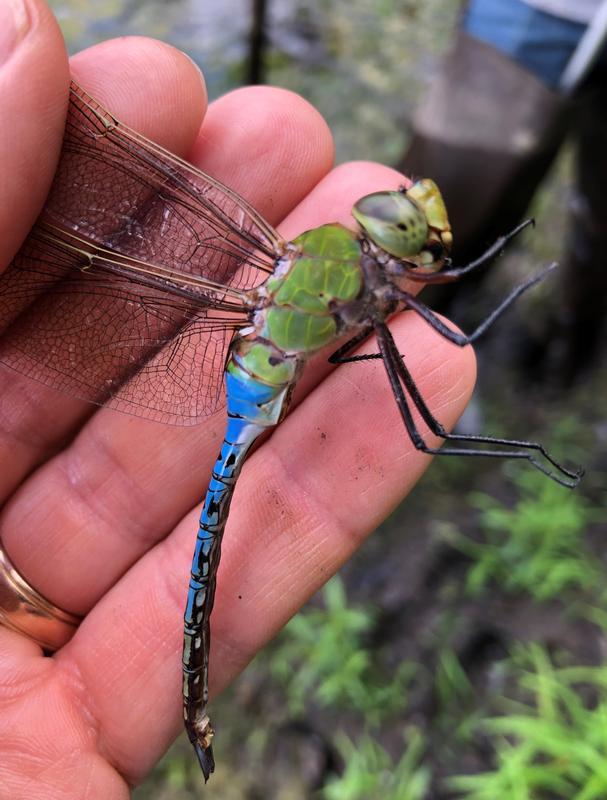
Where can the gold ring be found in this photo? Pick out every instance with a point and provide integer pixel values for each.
(26, 611)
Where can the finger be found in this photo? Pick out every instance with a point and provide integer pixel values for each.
(268, 144)
(33, 98)
(124, 483)
(154, 88)
(34, 419)
(337, 465)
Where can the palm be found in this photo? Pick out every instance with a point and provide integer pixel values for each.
(99, 508)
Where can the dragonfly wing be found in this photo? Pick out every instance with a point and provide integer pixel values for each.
(112, 336)
(118, 189)
(80, 312)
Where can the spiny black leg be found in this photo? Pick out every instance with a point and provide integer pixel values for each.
(447, 275)
(462, 339)
(354, 359)
(439, 326)
(494, 250)
(384, 338)
(397, 372)
(435, 426)
(338, 357)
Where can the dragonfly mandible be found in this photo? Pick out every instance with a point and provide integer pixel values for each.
(156, 325)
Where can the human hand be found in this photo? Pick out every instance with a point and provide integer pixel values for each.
(99, 508)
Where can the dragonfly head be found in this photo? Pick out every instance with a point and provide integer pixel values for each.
(410, 224)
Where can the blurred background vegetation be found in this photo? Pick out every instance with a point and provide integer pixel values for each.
(460, 653)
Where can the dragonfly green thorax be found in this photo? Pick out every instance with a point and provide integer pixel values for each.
(322, 275)
(320, 291)
(410, 224)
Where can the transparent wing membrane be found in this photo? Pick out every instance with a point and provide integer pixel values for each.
(129, 288)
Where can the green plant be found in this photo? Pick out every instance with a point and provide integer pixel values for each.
(451, 684)
(371, 774)
(457, 703)
(322, 655)
(551, 744)
(537, 546)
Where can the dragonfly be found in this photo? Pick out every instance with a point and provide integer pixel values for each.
(150, 287)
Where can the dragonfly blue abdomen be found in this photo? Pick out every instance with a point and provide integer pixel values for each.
(300, 317)
(259, 380)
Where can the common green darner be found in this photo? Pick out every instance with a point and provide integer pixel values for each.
(94, 306)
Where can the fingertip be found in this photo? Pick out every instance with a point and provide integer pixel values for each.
(387, 177)
(33, 97)
(283, 144)
(147, 84)
(333, 197)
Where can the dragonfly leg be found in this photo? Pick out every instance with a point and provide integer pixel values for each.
(462, 339)
(454, 273)
(340, 355)
(401, 380)
(436, 323)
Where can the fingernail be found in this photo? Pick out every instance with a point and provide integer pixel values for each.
(14, 23)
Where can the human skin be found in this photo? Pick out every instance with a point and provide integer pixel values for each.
(99, 510)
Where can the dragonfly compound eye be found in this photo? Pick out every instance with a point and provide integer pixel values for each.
(392, 221)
